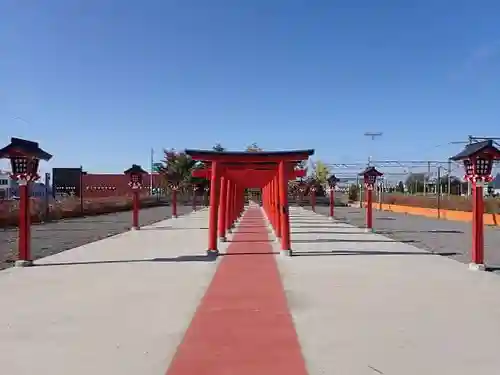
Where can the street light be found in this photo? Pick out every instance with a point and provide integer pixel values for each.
(478, 162)
(135, 175)
(332, 182)
(370, 175)
(24, 158)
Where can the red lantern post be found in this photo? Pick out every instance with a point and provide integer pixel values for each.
(312, 196)
(135, 174)
(478, 162)
(370, 175)
(332, 182)
(24, 157)
(174, 188)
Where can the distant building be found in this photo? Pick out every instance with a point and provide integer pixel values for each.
(69, 181)
(495, 185)
(109, 185)
(5, 185)
(9, 188)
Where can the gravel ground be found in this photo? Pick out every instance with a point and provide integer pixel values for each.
(52, 238)
(440, 236)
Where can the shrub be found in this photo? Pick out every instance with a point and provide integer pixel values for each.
(353, 193)
(70, 207)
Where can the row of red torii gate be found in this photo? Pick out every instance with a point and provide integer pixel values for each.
(230, 173)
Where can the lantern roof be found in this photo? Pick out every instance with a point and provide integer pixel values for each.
(135, 169)
(23, 147)
(478, 148)
(371, 171)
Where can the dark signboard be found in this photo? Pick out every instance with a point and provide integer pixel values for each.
(66, 181)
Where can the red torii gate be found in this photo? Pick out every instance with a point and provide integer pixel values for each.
(230, 173)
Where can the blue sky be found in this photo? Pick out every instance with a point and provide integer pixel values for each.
(100, 82)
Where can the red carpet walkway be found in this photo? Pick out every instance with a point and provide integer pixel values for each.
(242, 326)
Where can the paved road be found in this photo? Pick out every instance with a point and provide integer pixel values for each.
(52, 238)
(441, 236)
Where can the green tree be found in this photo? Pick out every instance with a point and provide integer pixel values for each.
(321, 172)
(415, 182)
(176, 169)
(254, 147)
(218, 147)
(353, 192)
(401, 187)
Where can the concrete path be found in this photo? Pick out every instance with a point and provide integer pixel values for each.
(150, 302)
(425, 232)
(53, 237)
(117, 306)
(365, 304)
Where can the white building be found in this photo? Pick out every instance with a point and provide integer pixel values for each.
(6, 185)
(9, 189)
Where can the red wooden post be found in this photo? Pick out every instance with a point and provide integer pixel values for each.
(235, 202)
(369, 208)
(194, 199)
(477, 224)
(214, 209)
(332, 201)
(222, 209)
(174, 202)
(229, 201)
(24, 223)
(135, 210)
(286, 248)
(241, 193)
(264, 199)
(273, 205)
(277, 184)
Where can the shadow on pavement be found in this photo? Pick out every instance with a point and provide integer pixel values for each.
(246, 231)
(264, 253)
(243, 241)
(125, 227)
(355, 252)
(326, 232)
(342, 240)
(171, 228)
(418, 231)
(318, 226)
(182, 258)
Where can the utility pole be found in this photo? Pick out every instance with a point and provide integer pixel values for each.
(151, 174)
(82, 203)
(449, 177)
(46, 198)
(426, 178)
(438, 192)
(372, 135)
